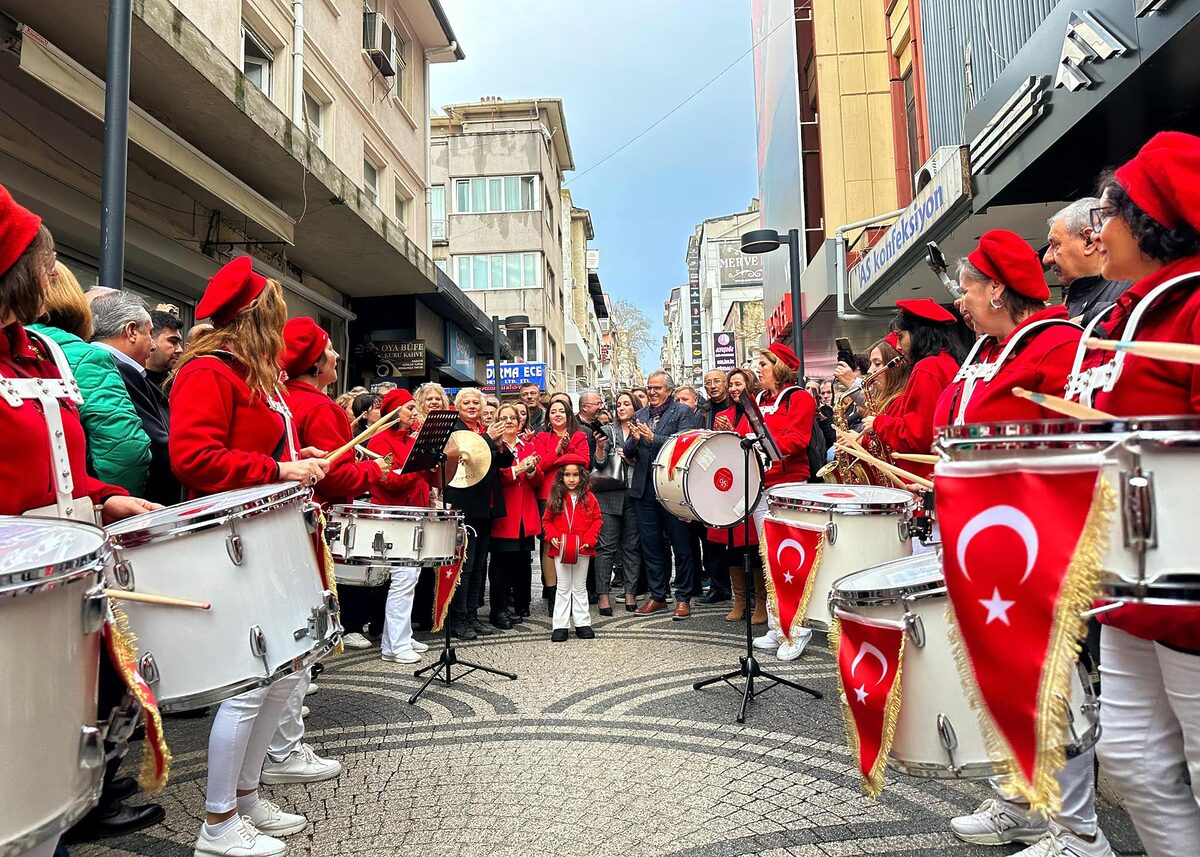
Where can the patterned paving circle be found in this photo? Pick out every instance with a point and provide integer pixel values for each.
(600, 748)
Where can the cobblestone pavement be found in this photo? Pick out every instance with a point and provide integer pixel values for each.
(600, 748)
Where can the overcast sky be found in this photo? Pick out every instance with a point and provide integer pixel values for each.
(618, 66)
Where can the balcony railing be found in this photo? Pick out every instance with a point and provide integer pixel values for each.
(438, 230)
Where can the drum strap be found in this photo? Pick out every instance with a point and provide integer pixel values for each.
(279, 406)
(48, 392)
(781, 397)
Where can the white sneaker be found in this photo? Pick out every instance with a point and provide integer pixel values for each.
(1059, 842)
(302, 765)
(312, 688)
(402, 656)
(268, 818)
(241, 840)
(418, 646)
(303, 711)
(998, 823)
(768, 641)
(356, 641)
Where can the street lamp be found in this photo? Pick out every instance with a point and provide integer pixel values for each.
(759, 241)
(512, 322)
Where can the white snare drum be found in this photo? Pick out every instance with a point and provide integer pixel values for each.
(707, 483)
(249, 553)
(368, 541)
(865, 525)
(937, 732)
(1153, 542)
(52, 610)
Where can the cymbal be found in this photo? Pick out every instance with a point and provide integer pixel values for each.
(475, 459)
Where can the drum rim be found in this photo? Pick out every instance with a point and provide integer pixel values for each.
(59, 824)
(884, 596)
(776, 500)
(391, 513)
(1066, 428)
(124, 535)
(394, 562)
(26, 581)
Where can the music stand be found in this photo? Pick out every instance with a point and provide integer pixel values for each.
(429, 452)
(748, 667)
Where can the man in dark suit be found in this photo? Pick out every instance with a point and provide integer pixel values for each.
(121, 324)
(652, 426)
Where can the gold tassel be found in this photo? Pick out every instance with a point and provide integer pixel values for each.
(798, 621)
(125, 644)
(328, 577)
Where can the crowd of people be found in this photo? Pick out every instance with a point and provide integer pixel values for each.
(570, 488)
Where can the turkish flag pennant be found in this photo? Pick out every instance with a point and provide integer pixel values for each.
(870, 657)
(1022, 549)
(683, 442)
(121, 646)
(791, 553)
(444, 586)
(328, 573)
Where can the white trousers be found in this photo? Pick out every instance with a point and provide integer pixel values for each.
(1077, 779)
(237, 744)
(570, 597)
(1150, 737)
(290, 731)
(397, 616)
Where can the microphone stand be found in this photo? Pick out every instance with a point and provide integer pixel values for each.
(748, 667)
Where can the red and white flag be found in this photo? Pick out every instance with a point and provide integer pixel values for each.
(791, 553)
(121, 646)
(1022, 549)
(444, 586)
(870, 656)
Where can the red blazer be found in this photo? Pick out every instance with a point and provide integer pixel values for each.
(741, 425)
(1041, 362)
(26, 469)
(319, 422)
(585, 523)
(906, 424)
(789, 417)
(546, 445)
(222, 437)
(397, 489)
(520, 498)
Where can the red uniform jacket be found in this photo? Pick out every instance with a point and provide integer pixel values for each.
(1041, 363)
(789, 418)
(906, 424)
(520, 499)
(1158, 387)
(741, 425)
(25, 468)
(319, 422)
(396, 488)
(546, 445)
(584, 521)
(223, 437)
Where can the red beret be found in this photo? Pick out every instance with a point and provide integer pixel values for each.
(786, 355)
(1164, 179)
(892, 339)
(1006, 258)
(394, 399)
(303, 344)
(572, 458)
(231, 290)
(926, 308)
(18, 227)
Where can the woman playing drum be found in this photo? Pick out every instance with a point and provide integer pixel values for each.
(1148, 229)
(230, 428)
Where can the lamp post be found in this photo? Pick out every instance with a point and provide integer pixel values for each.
(512, 322)
(759, 241)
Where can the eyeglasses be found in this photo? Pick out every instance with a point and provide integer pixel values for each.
(1100, 216)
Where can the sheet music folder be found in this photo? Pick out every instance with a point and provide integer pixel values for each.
(431, 441)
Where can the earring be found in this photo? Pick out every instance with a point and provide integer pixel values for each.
(992, 303)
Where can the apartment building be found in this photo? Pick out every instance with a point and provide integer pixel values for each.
(497, 172)
(292, 132)
(584, 307)
(729, 280)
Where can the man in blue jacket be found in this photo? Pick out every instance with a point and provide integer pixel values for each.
(653, 426)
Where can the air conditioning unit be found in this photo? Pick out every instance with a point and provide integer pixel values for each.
(377, 42)
(940, 157)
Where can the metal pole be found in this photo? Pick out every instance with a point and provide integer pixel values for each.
(797, 307)
(116, 145)
(496, 356)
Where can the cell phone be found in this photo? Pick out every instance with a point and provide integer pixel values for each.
(845, 353)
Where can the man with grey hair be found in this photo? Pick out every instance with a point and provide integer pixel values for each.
(652, 426)
(122, 325)
(1075, 259)
(590, 403)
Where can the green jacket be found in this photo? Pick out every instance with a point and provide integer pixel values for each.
(118, 447)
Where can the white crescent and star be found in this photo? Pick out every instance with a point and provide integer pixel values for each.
(792, 543)
(868, 649)
(1015, 520)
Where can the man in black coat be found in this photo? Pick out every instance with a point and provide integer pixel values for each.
(531, 397)
(1075, 259)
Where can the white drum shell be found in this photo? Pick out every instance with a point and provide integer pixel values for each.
(365, 574)
(931, 690)
(691, 492)
(49, 777)
(204, 656)
(859, 538)
(392, 536)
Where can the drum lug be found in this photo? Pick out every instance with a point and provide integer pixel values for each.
(949, 739)
(348, 535)
(312, 517)
(1066, 704)
(333, 531)
(148, 667)
(233, 545)
(122, 723)
(418, 539)
(123, 574)
(380, 545)
(258, 641)
(831, 529)
(91, 748)
(905, 531)
(95, 608)
(915, 626)
(1137, 509)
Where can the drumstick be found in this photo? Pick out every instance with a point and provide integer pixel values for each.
(888, 468)
(1061, 405)
(366, 434)
(917, 457)
(1176, 352)
(846, 438)
(160, 600)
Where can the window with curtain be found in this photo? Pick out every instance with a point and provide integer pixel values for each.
(498, 271)
(495, 194)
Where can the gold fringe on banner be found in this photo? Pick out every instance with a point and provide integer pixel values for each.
(328, 576)
(773, 597)
(872, 785)
(1078, 591)
(151, 777)
(440, 620)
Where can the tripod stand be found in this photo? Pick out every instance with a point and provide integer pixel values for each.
(449, 657)
(748, 668)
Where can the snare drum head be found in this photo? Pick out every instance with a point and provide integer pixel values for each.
(830, 497)
(713, 472)
(911, 574)
(203, 508)
(42, 544)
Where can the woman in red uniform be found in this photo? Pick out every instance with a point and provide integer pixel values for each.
(1148, 229)
(230, 429)
(934, 342)
(512, 534)
(560, 438)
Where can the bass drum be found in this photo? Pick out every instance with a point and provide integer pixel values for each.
(700, 476)
(52, 610)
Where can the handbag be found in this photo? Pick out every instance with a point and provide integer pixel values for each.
(569, 552)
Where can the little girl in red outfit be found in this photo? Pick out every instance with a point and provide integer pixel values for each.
(571, 526)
